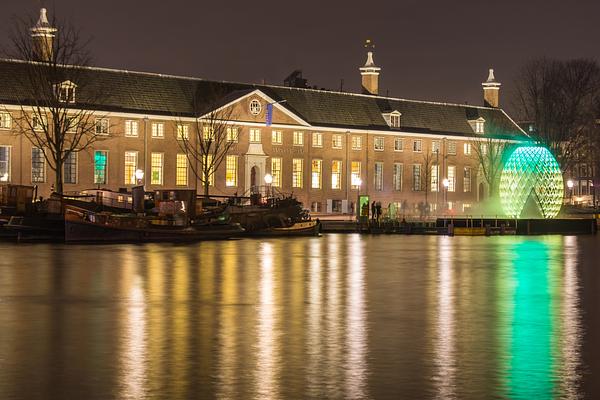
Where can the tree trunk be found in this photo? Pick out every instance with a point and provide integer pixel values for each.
(58, 181)
(206, 183)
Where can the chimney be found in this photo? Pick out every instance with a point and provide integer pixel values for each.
(370, 72)
(43, 35)
(491, 91)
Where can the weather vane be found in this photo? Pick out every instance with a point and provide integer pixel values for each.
(369, 44)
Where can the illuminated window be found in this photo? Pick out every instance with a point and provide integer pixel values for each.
(416, 177)
(317, 139)
(181, 175)
(484, 149)
(297, 172)
(378, 176)
(255, 107)
(4, 163)
(398, 144)
(100, 167)
(298, 138)
(336, 141)
(397, 178)
(183, 132)
(71, 124)
(316, 174)
(66, 92)
(467, 179)
(356, 142)
(435, 146)
(480, 126)
(131, 128)
(417, 145)
(451, 178)
(254, 135)
(277, 137)
(452, 147)
(467, 149)
(435, 173)
(102, 126)
(38, 165)
(5, 120)
(395, 120)
(336, 174)
(39, 122)
(232, 134)
(379, 144)
(156, 168)
(355, 174)
(276, 171)
(231, 170)
(131, 158)
(70, 168)
(208, 163)
(158, 130)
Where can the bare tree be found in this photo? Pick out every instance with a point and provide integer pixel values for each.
(559, 98)
(207, 140)
(429, 159)
(490, 154)
(57, 92)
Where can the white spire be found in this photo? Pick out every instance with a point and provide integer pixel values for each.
(491, 80)
(370, 62)
(43, 20)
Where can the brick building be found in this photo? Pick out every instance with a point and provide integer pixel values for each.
(325, 147)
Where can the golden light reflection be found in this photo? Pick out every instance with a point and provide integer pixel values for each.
(334, 328)
(313, 317)
(444, 348)
(356, 339)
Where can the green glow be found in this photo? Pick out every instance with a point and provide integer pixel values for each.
(531, 171)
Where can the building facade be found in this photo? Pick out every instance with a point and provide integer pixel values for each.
(325, 147)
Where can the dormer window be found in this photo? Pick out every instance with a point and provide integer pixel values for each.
(66, 92)
(478, 125)
(393, 119)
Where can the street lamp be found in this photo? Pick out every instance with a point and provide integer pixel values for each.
(570, 186)
(139, 175)
(358, 182)
(446, 183)
(268, 181)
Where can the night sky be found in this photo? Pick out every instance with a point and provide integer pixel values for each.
(430, 50)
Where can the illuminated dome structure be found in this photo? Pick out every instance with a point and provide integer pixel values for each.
(531, 175)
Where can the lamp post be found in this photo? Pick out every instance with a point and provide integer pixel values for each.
(358, 183)
(446, 183)
(570, 186)
(139, 176)
(268, 181)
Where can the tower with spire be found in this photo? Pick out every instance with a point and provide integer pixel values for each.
(43, 34)
(491, 91)
(370, 72)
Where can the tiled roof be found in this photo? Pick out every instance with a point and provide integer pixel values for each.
(157, 94)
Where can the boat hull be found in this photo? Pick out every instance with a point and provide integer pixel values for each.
(306, 228)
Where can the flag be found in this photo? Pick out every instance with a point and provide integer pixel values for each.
(269, 114)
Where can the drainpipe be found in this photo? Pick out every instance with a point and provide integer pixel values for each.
(146, 171)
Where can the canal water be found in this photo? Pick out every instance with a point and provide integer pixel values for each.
(340, 316)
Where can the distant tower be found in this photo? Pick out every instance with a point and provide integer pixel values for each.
(491, 91)
(370, 72)
(43, 35)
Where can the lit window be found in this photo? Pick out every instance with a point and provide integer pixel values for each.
(181, 175)
(66, 92)
(131, 128)
(38, 165)
(336, 174)
(208, 164)
(395, 120)
(467, 179)
(276, 171)
(355, 174)
(336, 141)
(5, 120)
(4, 163)
(156, 167)
(39, 122)
(417, 145)
(158, 130)
(183, 132)
(451, 178)
(435, 146)
(317, 139)
(254, 135)
(356, 142)
(379, 144)
(102, 126)
(131, 158)
(316, 174)
(255, 107)
(435, 173)
(379, 176)
(71, 124)
(277, 137)
(480, 126)
(484, 149)
(70, 168)
(398, 171)
(298, 138)
(231, 171)
(416, 177)
(467, 149)
(232, 134)
(297, 172)
(452, 148)
(398, 144)
(100, 167)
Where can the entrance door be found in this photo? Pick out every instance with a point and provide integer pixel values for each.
(253, 183)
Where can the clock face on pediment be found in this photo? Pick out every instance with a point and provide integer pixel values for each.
(255, 107)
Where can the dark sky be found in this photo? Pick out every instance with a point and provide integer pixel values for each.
(430, 50)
